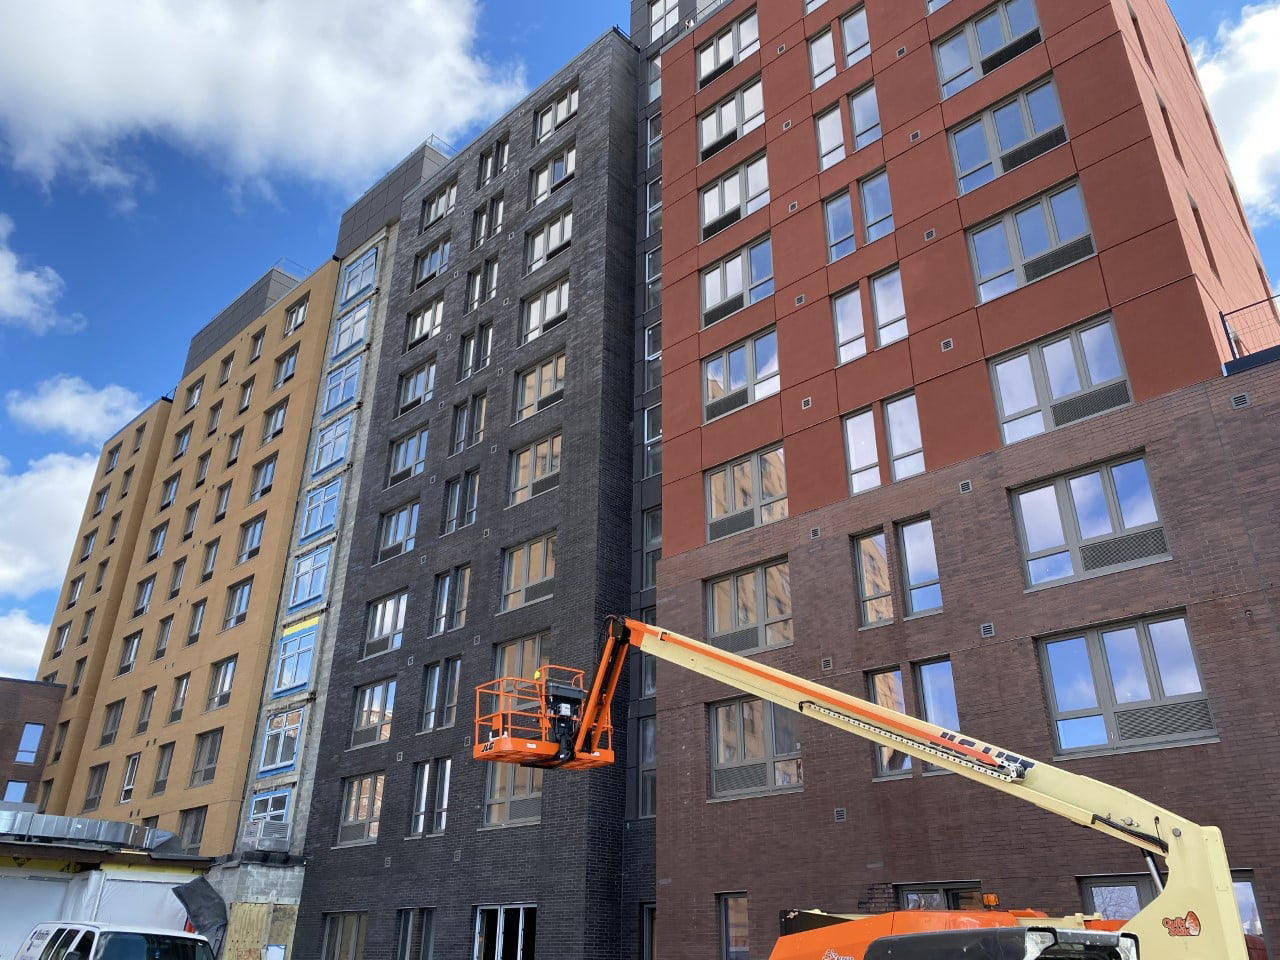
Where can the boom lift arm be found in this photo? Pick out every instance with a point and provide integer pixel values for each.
(553, 721)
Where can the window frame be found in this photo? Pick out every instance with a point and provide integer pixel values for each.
(408, 456)
(752, 290)
(536, 315)
(451, 595)
(762, 510)
(397, 531)
(424, 322)
(374, 708)
(757, 387)
(743, 39)
(316, 503)
(360, 812)
(342, 385)
(732, 637)
(730, 118)
(918, 582)
(552, 174)
(562, 108)
(515, 589)
(358, 276)
(394, 605)
(969, 30)
(995, 155)
(537, 377)
(736, 181)
(866, 135)
(542, 466)
(558, 228)
(770, 757)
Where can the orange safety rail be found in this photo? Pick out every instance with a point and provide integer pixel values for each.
(513, 724)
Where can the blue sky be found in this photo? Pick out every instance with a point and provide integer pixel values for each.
(168, 156)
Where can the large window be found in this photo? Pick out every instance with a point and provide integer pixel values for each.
(1127, 685)
(361, 809)
(438, 204)
(1007, 135)
(906, 448)
(359, 276)
(509, 932)
(985, 43)
(344, 936)
(544, 310)
(744, 278)
(341, 386)
(535, 469)
(742, 374)
(320, 508)
(204, 765)
(430, 799)
(293, 667)
(375, 705)
(529, 571)
(751, 609)
(425, 322)
(452, 590)
(408, 456)
(440, 684)
(737, 194)
(560, 109)
(740, 39)
(310, 571)
(386, 624)
(746, 493)
(1030, 242)
(331, 444)
(735, 928)
(552, 175)
(920, 578)
(551, 238)
(733, 117)
(651, 539)
(416, 386)
(397, 532)
(461, 501)
(1059, 381)
(540, 387)
(1098, 520)
(431, 261)
(646, 767)
(875, 585)
(755, 748)
(653, 440)
(280, 741)
(349, 331)
(513, 794)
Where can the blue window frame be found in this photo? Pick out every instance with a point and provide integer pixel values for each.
(293, 659)
(342, 385)
(331, 445)
(349, 331)
(310, 573)
(358, 277)
(320, 509)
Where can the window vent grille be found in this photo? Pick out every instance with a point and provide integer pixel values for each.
(715, 226)
(948, 345)
(726, 404)
(815, 533)
(841, 815)
(543, 484)
(1063, 256)
(828, 664)
(1091, 404)
(738, 641)
(1240, 401)
(752, 776)
(527, 809)
(930, 235)
(1033, 148)
(1009, 51)
(1127, 549)
(800, 300)
(1160, 721)
(719, 312)
(734, 523)
(966, 486)
(806, 403)
(987, 631)
(915, 135)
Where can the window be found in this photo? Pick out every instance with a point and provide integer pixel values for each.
(438, 204)
(60, 640)
(906, 449)
(655, 77)
(250, 539)
(529, 571)
(320, 508)
(857, 41)
(349, 331)
(440, 684)
(175, 576)
(361, 811)
(535, 469)
(417, 386)
(932, 5)
(755, 748)
(155, 544)
(224, 501)
(653, 150)
(341, 386)
(940, 896)
(74, 589)
(430, 799)
(163, 630)
(492, 162)
(386, 624)
(733, 117)
(747, 493)
(860, 448)
(468, 423)
(651, 532)
(359, 276)
(215, 417)
(309, 574)
(169, 492)
(653, 440)
(877, 207)
(1027, 243)
(734, 926)
(129, 653)
(1095, 521)
(210, 560)
(885, 688)
(751, 609)
(224, 374)
(889, 307)
(985, 43)
(60, 741)
(197, 621)
(93, 790)
(829, 128)
(246, 394)
(921, 583)
(408, 459)
(77, 676)
(428, 264)
(293, 666)
(126, 482)
(864, 109)
(552, 175)
(375, 705)
(202, 469)
(286, 366)
(544, 309)
(295, 316)
(331, 444)
(851, 339)
(486, 222)
(145, 706)
(130, 776)
(344, 936)
(482, 284)
(100, 500)
(506, 931)
(474, 350)
(221, 676)
(653, 356)
(1127, 685)
(1007, 135)
(264, 474)
(113, 455)
(540, 387)
(270, 807)
(15, 791)
(838, 214)
(164, 761)
(936, 690)
(561, 109)
(451, 593)
(398, 531)
(29, 743)
(191, 830)
(86, 545)
(204, 766)
(739, 193)
(461, 497)
(234, 443)
(744, 278)
(728, 48)
(1060, 381)
(142, 598)
(101, 576)
(425, 322)
(875, 589)
(280, 742)
(513, 794)
(822, 58)
(653, 208)
(237, 604)
(664, 15)
(87, 625)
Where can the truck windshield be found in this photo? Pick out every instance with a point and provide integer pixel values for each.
(151, 946)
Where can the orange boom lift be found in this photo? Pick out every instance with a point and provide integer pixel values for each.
(554, 720)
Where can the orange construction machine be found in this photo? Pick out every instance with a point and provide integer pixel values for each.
(554, 720)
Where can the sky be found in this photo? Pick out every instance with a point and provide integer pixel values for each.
(167, 152)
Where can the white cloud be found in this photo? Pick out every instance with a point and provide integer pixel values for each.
(21, 643)
(323, 89)
(40, 511)
(67, 404)
(1240, 73)
(29, 294)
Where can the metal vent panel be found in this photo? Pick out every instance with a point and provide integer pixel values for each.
(712, 149)
(555, 321)
(536, 591)
(526, 809)
(1127, 549)
(1063, 256)
(719, 312)
(1091, 404)
(1009, 51)
(1033, 148)
(734, 523)
(728, 403)
(555, 396)
(1164, 720)
(987, 630)
(717, 72)
(738, 641)
(841, 815)
(543, 484)
(728, 220)
(752, 776)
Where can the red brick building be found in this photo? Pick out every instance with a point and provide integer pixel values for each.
(945, 425)
(28, 714)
